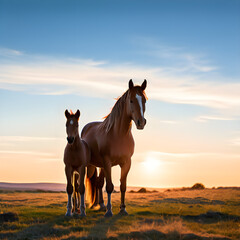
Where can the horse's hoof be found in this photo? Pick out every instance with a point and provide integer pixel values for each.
(68, 214)
(82, 214)
(123, 212)
(108, 214)
(74, 214)
(102, 208)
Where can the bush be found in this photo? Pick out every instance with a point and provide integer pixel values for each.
(198, 186)
(142, 190)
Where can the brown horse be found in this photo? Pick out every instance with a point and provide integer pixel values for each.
(111, 143)
(76, 158)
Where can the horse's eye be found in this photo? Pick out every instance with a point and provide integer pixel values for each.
(131, 101)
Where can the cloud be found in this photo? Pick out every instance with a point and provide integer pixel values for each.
(235, 142)
(6, 52)
(175, 157)
(177, 59)
(26, 153)
(26, 139)
(47, 75)
(213, 118)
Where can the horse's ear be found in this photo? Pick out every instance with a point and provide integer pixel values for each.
(77, 114)
(67, 114)
(130, 84)
(144, 85)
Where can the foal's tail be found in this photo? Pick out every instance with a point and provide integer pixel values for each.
(91, 186)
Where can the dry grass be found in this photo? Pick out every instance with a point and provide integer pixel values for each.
(163, 215)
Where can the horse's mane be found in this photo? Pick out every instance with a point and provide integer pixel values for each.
(115, 113)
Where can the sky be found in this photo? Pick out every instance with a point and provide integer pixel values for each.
(58, 54)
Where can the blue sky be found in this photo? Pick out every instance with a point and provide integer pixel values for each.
(80, 54)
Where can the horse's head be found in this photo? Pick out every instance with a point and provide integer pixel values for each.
(136, 103)
(72, 125)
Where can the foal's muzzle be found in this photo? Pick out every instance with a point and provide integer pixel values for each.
(70, 140)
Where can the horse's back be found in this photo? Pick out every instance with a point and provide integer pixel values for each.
(89, 127)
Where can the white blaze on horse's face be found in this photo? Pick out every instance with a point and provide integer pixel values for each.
(71, 122)
(139, 98)
(138, 109)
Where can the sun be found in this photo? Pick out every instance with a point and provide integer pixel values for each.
(151, 164)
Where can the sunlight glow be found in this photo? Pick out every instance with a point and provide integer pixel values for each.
(151, 164)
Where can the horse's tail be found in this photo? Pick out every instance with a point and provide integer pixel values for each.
(91, 186)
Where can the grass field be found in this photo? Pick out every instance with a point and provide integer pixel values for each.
(190, 214)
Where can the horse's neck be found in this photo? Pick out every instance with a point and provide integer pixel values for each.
(122, 125)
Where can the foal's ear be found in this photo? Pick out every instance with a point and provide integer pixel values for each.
(144, 85)
(130, 84)
(77, 114)
(67, 114)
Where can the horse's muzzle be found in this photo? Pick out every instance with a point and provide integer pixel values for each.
(141, 123)
(70, 140)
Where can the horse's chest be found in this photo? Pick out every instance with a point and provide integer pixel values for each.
(120, 150)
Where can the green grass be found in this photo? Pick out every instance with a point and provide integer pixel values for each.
(163, 215)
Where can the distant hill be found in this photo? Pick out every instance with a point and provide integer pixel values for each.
(56, 187)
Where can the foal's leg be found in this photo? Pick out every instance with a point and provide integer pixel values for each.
(100, 190)
(82, 190)
(77, 193)
(124, 172)
(76, 197)
(109, 188)
(74, 203)
(69, 172)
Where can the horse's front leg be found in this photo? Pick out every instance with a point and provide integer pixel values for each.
(69, 172)
(82, 190)
(109, 188)
(123, 186)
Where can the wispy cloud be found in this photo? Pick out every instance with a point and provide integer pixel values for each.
(213, 118)
(174, 157)
(235, 141)
(6, 52)
(177, 59)
(43, 75)
(26, 153)
(27, 139)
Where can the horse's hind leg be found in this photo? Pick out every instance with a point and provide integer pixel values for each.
(82, 190)
(124, 172)
(109, 187)
(100, 183)
(69, 172)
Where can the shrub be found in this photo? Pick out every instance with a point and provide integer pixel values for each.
(198, 186)
(142, 190)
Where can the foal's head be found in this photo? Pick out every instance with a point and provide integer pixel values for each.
(136, 103)
(72, 125)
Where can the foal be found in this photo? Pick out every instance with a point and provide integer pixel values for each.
(76, 157)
